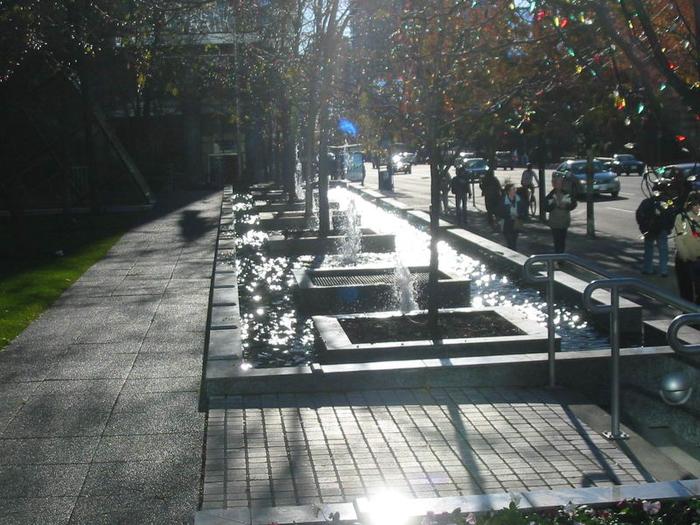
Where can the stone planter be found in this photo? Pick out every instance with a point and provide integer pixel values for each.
(338, 336)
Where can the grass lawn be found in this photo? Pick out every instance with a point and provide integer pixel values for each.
(29, 284)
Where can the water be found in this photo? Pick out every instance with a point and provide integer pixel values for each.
(404, 288)
(351, 245)
(275, 334)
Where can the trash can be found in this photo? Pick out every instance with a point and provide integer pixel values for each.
(386, 182)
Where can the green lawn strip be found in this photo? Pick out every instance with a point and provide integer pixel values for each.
(24, 295)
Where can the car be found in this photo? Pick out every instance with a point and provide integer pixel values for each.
(626, 163)
(473, 169)
(574, 172)
(505, 159)
(606, 161)
(691, 171)
(402, 162)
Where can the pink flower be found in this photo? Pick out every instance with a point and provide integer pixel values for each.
(470, 519)
(651, 508)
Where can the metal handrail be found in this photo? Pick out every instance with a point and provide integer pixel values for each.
(549, 259)
(672, 333)
(614, 284)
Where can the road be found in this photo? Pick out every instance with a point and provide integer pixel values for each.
(614, 217)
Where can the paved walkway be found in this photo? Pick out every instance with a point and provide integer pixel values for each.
(99, 418)
(274, 450)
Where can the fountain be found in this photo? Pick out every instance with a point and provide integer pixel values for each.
(464, 332)
(298, 240)
(351, 245)
(370, 288)
(404, 289)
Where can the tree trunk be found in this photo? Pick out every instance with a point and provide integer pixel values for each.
(323, 207)
(288, 156)
(433, 292)
(309, 168)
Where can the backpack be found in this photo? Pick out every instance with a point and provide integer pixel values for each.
(648, 217)
(456, 185)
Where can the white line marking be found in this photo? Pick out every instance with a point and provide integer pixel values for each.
(618, 209)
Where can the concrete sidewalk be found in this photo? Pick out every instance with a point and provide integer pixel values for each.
(301, 449)
(99, 396)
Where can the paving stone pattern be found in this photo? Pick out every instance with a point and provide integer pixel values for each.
(297, 449)
(99, 418)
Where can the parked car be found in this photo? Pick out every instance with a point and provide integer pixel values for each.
(402, 162)
(574, 173)
(606, 161)
(626, 163)
(691, 171)
(505, 159)
(473, 169)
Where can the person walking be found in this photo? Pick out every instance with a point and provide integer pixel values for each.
(527, 180)
(460, 189)
(445, 191)
(492, 192)
(513, 213)
(687, 231)
(559, 204)
(655, 217)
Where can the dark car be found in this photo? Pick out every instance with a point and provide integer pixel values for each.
(472, 169)
(402, 162)
(505, 159)
(626, 163)
(574, 173)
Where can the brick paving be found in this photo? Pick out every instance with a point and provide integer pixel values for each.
(297, 449)
(99, 419)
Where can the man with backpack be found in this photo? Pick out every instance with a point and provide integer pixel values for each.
(655, 216)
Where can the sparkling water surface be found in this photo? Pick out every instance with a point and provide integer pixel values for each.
(275, 334)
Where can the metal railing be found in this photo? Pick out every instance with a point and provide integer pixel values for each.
(672, 333)
(549, 260)
(614, 285)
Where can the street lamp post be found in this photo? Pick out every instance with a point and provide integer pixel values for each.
(590, 218)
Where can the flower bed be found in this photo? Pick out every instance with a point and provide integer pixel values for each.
(633, 512)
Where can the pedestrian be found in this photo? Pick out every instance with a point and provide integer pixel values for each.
(445, 191)
(687, 231)
(559, 204)
(460, 189)
(492, 192)
(513, 213)
(655, 217)
(527, 180)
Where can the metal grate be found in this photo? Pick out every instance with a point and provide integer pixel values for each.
(365, 278)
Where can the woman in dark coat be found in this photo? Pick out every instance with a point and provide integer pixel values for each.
(513, 213)
(491, 190)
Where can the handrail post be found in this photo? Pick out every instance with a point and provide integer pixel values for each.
(551, 349)
(549, 261)
(615, 432)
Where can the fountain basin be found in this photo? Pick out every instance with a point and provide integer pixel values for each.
(271, 206)
(293, 220)
(465, 332)
(310, 243)
(371, 288)
(286, 206)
